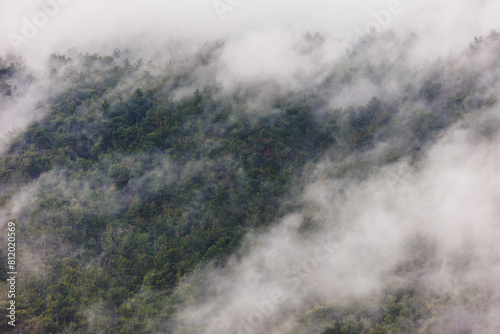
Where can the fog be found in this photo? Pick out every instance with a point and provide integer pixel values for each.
(430, 222)
(95, 25)
(262, 39)
(367, 236)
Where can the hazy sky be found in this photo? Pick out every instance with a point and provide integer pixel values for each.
(92, 24)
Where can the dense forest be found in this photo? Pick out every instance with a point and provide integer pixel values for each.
(140, 181)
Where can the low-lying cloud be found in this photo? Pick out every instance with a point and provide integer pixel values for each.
(436, 225)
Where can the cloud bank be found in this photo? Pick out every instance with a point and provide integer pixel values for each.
(434, 226)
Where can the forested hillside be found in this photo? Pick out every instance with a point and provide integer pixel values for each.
(140, 181)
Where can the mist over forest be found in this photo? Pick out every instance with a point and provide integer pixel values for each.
(250, 167)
